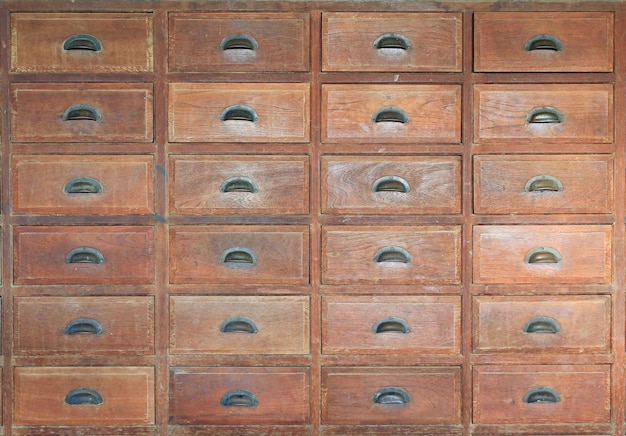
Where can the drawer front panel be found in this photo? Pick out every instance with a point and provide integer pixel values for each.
(239, 42)
(239, 254)
(84, 396)
(541, 394)
(239, 112)
(391, 185)
(239, 184)
(81, 43)
(239, 325)
(543, 41)
(392, 42)
(572, 113)
(84, 255)
(85, 325)
(80, 184)
(77, 112)
(541, 184)
(393, 255)
(573, 324)
(391, 113)
(400, 396)
(391, 325)
(239, 396)
(549, 254)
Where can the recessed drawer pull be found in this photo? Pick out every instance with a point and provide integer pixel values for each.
(392, 40)
(391, 324)
(544, 115)
(543, 42)
(390, 114)
(81, 112)
(83, 185)
(542, 324)
(239, 184)
(84, 255)
(239, 41)
(541, 394)
(391, 395)
(543, 183)
(86, 326)
(239, 112)
(239, 324)
(237, 255)
(543, 255)
(82, 42)
(239, 398)
(83, 396)
(391, 184)
(392, 254)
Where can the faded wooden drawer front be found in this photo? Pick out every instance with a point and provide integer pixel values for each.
(239, 396)
(391, 325)
(540, 184)
(83, 325)
(543, 113)
(81, 112)
(391, 113)
(391, 185)
(239, 42)
(239, 112)
(391, 42)
(540, 324)
(84, 255)
(239, 325)
(81, 184)
(391, 395)
(239, 184)
(393, 255)
(84, 396)
(239, 254)
(541, 394)
(81, 43)
(543, 41)
(548, 254)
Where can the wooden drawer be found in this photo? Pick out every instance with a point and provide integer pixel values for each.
(81, 43)
(239, 254)
(239, 42)
(572, 113)
(391, 325)
(204, 185)
(239, 325)
(391, 41)
(83, 325)
(539, 184)
(239, 112)
(548, 254)
(540, 324)
(532, 394)
(239, 396)
(82, 184)
(543, 41)
(81, 112)
(84, 396)
(405, 114)
(388, 395)
(83, 255)
(391, 185)
(391, 255)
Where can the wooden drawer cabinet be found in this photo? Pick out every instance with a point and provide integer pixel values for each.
(239, 395)
(391, 42)
(89, 396)
(82, 42)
